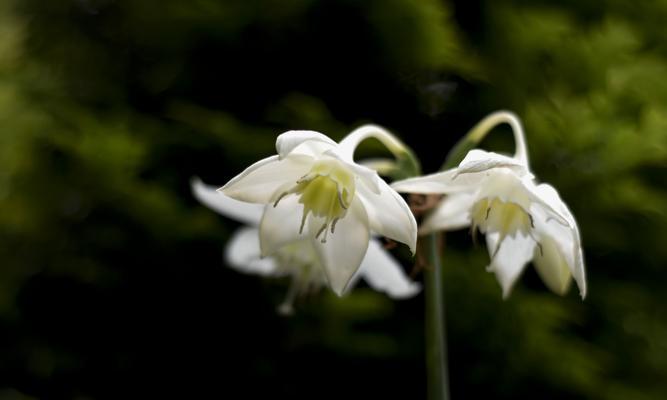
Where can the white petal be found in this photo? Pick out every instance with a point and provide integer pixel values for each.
(439, 183)
(280, 225)
(452, 213)
(480, 161)
(248, 213)
(552, 267)
(344, 250)
(567, 237)
(383, 273)
(389, 215)
(510, 259)
(546, 206)
(242, 253)
(314, 143)
(260, 181)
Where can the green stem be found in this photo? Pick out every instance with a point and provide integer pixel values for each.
(436, 335)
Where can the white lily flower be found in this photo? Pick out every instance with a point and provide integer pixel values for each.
(522, 220)
(312, 189)
(297, 259)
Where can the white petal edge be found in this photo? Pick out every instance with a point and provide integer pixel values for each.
(510, 259)
(344, 250)
(259, 182)
(481, 161)
(383, 273)
(549, 196)
(242, 254)
(439, 183)
(290, 140)
(248, 213)
(452, 213)
(389, 215)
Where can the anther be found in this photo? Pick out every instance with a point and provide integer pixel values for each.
(322, 229)
(333, 225)
(303, 221)
(488, 210)
(532, 221)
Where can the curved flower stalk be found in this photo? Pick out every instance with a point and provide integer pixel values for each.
(522, 220)
(298, 259)
(313, 189)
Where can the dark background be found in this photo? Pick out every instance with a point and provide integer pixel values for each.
(112, 283)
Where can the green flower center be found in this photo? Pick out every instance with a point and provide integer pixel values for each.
(327, 192)
(507, 218)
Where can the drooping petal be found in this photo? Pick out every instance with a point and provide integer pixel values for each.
(439, 183)
(383, 273)
(259, 182)
(280, 225)
(510, 259)
(480, 161)
(552, 267)
(345, 248)
(242, 253)
(452, 213)
(567, 237)
(310, 142)
(248, 213)
(389, 215)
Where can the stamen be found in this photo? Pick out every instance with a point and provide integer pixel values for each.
(283, 194)
(322, 229)
(303, 221)
(488, 210)
(306, 178)
(532, 221)
(287, 306)
(495, 252)
(340, 199)
(333, 225)
(473, 233)
(541, 249)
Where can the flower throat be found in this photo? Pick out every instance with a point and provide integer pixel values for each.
(327, 192)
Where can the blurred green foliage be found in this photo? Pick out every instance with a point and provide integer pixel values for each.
(111, 276)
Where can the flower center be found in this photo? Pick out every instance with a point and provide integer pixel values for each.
(495, 215)
(326, 192)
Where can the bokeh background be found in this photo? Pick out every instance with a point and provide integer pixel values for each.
(112, 280)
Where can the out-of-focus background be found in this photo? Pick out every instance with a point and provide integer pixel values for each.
(112, 280)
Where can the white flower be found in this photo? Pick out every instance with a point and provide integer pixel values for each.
(312, 189)
(297, 259)
(522, 220)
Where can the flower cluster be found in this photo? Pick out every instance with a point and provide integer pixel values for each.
(522, 220)
(312, 213)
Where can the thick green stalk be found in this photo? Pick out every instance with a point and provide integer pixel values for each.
(436, 334)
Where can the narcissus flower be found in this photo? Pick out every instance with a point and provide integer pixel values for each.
(522, 220)
(297, 259)
(313, 190)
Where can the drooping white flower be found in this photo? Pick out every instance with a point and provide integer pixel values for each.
(522, 220)
(297, 259)
(312, 189)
